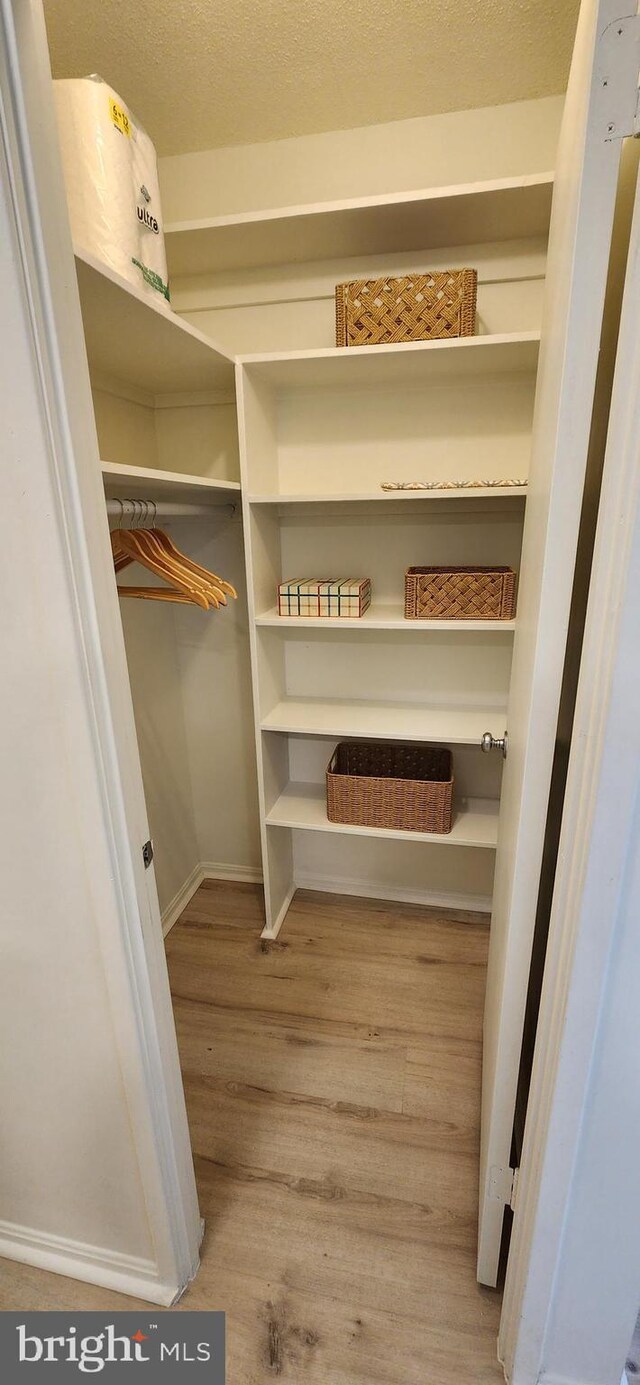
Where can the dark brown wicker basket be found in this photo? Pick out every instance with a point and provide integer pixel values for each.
(460, 593)
(418, 307)
(391, 784)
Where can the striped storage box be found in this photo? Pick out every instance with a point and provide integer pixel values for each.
(319, 596)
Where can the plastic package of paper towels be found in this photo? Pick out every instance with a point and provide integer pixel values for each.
(111, 178)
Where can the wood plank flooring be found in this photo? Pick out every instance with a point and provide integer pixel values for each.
(333, 1087)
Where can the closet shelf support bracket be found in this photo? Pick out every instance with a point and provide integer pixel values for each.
(489, 742)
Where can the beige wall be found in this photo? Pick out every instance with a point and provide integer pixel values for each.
(189, 670)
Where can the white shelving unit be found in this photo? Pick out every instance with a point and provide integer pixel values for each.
(138, 340)
(424, 363)
(303, 807)
(382, 616)
(470, 213)
(164, 395)
(150, 483)
(166, 423)
(320, 432)
(381, 720)
(389, 498)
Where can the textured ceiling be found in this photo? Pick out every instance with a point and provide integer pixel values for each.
(203, 73)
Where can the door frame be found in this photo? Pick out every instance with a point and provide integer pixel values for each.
(582, 1127)
(133, 951)
(600, 108)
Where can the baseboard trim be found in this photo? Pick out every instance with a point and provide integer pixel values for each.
(125, 1274)
(246, 875)
(172, 913)
(206, 870)
(477, 904)
(252, 875)
(271, 932)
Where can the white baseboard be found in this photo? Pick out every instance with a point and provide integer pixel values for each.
(335, 884)
(272, 932)
(216, 870)
(172, 913)
(206, 870)
(125, 1274)
(252, 875)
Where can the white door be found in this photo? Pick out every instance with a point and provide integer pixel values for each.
(600, 107)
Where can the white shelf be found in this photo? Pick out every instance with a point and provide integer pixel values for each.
(464, 214)
(389, 497)
(147, 482)
(303, 806)
(404, 363)
(384, 720)
(138, 340)
(382, 616)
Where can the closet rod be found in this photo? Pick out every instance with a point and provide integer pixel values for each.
(162, 509)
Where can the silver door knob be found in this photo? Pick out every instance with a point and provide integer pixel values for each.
(489, 742)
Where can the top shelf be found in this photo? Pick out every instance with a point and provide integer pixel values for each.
(140, 341)
(466, 214)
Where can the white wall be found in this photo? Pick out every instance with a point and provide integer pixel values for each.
(213, 654)
(151, 640)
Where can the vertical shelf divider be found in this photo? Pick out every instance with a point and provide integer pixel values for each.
(258, 460)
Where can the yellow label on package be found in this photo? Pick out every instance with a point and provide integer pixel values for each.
(119, 118)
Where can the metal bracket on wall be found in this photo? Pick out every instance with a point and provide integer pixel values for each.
(489, 742)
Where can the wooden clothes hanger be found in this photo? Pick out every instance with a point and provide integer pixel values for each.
(168, 543)
(129, 546)
(144, 545)
(187, 581)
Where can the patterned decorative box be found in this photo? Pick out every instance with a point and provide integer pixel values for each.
(320, 596)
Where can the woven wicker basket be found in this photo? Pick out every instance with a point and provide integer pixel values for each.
(405, 787)
(419, 307)
(460, 593)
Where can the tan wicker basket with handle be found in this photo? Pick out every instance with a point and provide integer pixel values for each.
(418, 307)
(460, 593)
(391, 784)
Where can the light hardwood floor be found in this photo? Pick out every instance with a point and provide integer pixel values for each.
(333, 1087)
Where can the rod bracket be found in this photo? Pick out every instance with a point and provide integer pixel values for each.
(489, 742)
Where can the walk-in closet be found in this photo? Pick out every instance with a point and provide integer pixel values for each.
(343, 383)
(318, 433)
